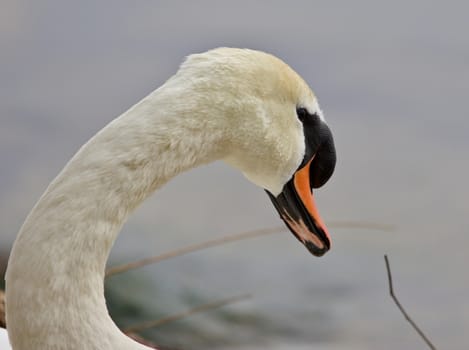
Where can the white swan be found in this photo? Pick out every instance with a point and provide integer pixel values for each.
(242, 106)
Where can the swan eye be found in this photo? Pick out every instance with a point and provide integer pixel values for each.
(305, 117)
(302, 114)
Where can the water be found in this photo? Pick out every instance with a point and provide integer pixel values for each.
(392, 79)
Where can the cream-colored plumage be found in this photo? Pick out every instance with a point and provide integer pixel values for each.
(231, 104)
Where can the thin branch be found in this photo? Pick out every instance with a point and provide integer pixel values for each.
(401, 308)
(192, 248)
(2, 310)
(200, 308)
(233, 238)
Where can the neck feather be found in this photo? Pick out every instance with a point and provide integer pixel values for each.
(55, 296)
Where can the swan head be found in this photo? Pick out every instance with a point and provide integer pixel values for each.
(273, 131)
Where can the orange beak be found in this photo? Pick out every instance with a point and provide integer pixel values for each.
(296, 204)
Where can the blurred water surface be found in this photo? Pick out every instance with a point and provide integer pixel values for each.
(393, 81)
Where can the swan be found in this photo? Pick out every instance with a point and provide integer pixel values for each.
(245, 107)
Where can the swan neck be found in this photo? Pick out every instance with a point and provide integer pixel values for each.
(55, 291)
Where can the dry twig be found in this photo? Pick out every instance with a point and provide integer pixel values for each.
(401, 308)
(233, 238)
(200, 308)
(2, 309)
(192, 248)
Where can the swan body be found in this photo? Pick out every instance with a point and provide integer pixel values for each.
(237, 105)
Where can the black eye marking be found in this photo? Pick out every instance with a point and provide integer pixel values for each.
(304, 115)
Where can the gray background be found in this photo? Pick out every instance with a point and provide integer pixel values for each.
(392, 78)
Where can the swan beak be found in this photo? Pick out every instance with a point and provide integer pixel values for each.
(296, 204)
(298, 210)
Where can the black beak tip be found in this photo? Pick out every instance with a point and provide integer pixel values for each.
(313, 249)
